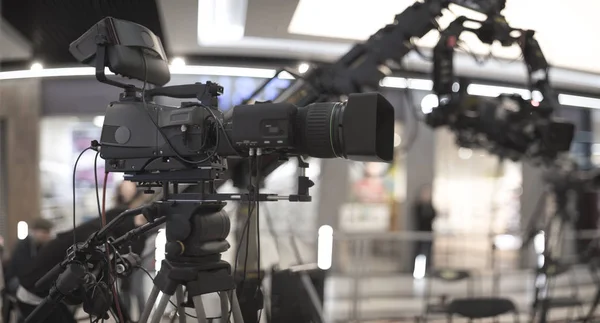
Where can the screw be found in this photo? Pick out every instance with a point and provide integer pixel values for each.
(120, 269)
(161, 152)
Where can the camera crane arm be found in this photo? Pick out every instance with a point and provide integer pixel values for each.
(495, 28)
(361, 69)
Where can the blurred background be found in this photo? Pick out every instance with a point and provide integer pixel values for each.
(360, 229)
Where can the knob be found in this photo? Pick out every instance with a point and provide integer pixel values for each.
(174, 248)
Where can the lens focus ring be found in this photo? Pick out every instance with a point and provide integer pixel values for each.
(318, 130)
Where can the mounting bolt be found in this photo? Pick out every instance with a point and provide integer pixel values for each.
(120, 269)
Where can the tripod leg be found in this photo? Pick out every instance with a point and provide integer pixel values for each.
(149, 305)
(160, 309)
(200, 313)
(180, 308)
(235, 308)
(224, 306)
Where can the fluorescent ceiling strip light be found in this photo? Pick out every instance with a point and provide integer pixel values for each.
(494, 91)
(396, 82)
(579, 101)
(420, 84)
(223, 71)
(175, 70)
(403, 83)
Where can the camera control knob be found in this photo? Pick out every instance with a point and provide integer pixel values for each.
(174, 248)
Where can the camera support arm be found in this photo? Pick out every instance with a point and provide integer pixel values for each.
(493, 29)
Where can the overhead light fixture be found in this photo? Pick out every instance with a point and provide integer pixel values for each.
(494, 91)
(579, 101)
(464, 153)
(223, 71)
(178, 62)
(98, 121)
(429, 102)
(36, 66)
(325, 247)
(396, 82)
(403, 83)
(303, 68)
(22, 230)
(285, 75)
(175, 70)
(420, 267)
(221, 21)
(419, 84)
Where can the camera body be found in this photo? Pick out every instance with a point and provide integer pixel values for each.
(508, 126)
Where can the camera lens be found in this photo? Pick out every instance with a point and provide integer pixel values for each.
(360, 129)
(318, 127)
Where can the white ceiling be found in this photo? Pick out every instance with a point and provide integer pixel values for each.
(565, 29)
(326, 29)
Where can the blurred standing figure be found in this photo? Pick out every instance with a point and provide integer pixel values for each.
(128, 196)
(424, 214)
(26, 250)
(21, 257)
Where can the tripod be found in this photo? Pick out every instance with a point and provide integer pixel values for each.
(198, 280)
(196, 232)
(551, 267)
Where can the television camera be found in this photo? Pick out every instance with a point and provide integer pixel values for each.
(508, 126)
(163, 147)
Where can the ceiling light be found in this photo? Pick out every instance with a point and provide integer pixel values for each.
(419, 84)
(579, 101)
(397, 82)
(494, 91)
(36, 66)
(98, 121)
(221, 20)
(325, 247)
(303, 68)
(455, 87)
(428, 103)
(22, 230)
(178, 62)
(285, 75)
(464, 153)
(182, 70)
(223, 71)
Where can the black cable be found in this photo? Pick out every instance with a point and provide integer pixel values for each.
(96, 182)
(220, 126)
(74, 173)
(258, 220)
(245, 229)
(250, 211)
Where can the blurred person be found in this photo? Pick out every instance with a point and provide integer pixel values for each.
(29, 296)
(132, 286)
(22, 255)
(424, 214)
(26, 250)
